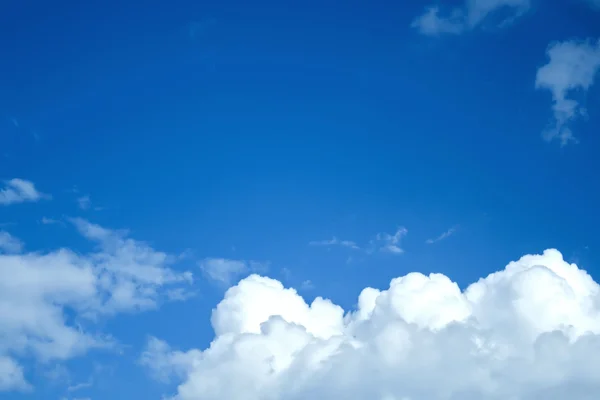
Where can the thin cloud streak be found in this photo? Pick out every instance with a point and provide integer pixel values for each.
(443, 236)
(335, 242)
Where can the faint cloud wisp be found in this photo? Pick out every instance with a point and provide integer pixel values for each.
(443, 236)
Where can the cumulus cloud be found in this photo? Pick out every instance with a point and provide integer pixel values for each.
(39, 290)
(443, 236)
(529, 331)
(19, 191)
(472, 14)
(9, 243)
(335, 242)
(570, 72)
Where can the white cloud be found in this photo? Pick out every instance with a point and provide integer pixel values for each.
(443, 236)
(383, 242)
(165, 363)
(389, 243)
(472, 14)
(335, 242)
(431, 23)
(529, 331)
(19, 191)
(134, 272)
(226, 271)
(38, 291)
(223, 270)
(572, 68)
(11, 375)
(9, 243)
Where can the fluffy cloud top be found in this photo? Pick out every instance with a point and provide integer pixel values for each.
(39, 290)
(471, 15)
(529, 331)
(572, 67)
(19, 191)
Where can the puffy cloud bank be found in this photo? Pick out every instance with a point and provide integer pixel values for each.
(47, 300)
(529, 331)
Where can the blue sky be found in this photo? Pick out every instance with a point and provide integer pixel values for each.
(325, 145)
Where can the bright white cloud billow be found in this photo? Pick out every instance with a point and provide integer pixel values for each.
(19, 191)
(472, 14)
(529, 331)
(38, 290)
(572, 67)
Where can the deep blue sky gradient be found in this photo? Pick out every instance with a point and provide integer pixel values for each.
(247, 129)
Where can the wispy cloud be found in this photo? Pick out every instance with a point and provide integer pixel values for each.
(443, 236)
(61, 287)
(382, 242)
(179, 294)
(50, 221)
(389, 243)
(20, 191)
(572, 66)
(307, 285)
(80, 386)
(471, 15)
(84, 202)
(432, 24)
(9, 243)
(226, 271)
(335, 242)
